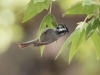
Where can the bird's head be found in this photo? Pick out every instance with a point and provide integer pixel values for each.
(62, 29)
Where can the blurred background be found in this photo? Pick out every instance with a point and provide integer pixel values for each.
(16, 61)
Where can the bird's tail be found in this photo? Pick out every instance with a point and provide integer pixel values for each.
(28, 43)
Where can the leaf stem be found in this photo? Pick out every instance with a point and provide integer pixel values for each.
(50, 6)
(85, 18)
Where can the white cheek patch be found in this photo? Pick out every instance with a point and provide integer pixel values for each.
(62, 29)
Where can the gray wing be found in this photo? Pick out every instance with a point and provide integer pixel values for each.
(49, 36)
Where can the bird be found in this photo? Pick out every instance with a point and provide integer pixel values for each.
(48, 35)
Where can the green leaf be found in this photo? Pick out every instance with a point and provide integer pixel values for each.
(48, 19)
(54, 23)
(96, 23)
(36, 1)
(88, 2)
(82, 25)
(69, 40)
(96, 41)
(92, 25)
(34, 9)
(42, 50)
(77, 41)
(99, 30)
(89, 31)
(77, 8)
(45, 20)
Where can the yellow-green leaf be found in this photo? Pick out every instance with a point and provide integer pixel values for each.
(77, 8)
(69, 40)
(92, 25)
(34, 9)
(78, 39)
(54, 23)
(96, 41)
(42, 50)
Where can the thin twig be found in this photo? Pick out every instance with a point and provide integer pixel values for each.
(50, 6)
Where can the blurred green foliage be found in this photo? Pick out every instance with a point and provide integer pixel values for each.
(10, 30)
